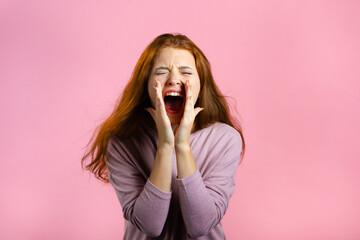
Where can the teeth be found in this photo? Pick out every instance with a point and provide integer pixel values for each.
(173, 94)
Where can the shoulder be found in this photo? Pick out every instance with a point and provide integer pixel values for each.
(115, 148)
(216, 148)
(216, 140)
(121, 148)
(136, 140)
(224, 128)
(142, 143)
(224, 133)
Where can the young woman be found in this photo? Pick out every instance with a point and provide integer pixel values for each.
(170, 149)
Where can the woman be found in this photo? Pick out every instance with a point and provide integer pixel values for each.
(170, 149)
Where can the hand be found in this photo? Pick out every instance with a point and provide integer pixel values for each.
(183, 131)
(163, 125)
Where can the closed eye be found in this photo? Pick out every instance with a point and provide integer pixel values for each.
(187, 73)
(160, 73)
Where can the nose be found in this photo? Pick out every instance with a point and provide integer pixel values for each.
(173, 80)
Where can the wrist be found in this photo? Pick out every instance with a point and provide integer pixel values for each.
(165, 146)
(182, 147)
(184, 160)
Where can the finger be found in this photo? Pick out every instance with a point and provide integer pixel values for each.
(188, 89)
(160, 104)
(156, 94)
(158, 85)
(159, 93)
(151, 111)
(189, 104)
(197, 110)
(158, 90)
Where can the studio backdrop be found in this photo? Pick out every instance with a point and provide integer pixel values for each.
(289, 69)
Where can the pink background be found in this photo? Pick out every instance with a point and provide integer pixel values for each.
(291, 66)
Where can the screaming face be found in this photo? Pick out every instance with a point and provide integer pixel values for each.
(172, 68)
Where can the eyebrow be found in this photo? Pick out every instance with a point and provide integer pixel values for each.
(166, 68)
(185, 67)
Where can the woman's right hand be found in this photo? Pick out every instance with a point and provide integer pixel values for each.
(163, 125)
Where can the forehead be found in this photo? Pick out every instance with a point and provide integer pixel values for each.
(174, 56)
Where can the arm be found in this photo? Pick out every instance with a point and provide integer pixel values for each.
(162, 169)
(145, 203)
(161, 172)
(204, 202)
(184, 159)
(141, 200)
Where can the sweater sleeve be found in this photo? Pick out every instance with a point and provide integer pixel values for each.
(143, 204)
(203, 202)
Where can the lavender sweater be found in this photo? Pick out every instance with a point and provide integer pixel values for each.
(196, 204)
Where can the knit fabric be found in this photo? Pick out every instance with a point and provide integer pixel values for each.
(196, 204)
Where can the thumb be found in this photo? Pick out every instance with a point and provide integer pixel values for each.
(197, 110)
(151, 111)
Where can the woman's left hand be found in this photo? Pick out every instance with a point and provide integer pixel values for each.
(183, 131)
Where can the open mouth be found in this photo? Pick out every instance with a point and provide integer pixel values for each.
(173, 102)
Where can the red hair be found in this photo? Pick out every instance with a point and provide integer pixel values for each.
(129, 112)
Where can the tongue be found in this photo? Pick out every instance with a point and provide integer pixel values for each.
(173, 103)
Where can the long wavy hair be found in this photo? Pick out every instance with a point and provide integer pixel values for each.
(129, 112)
